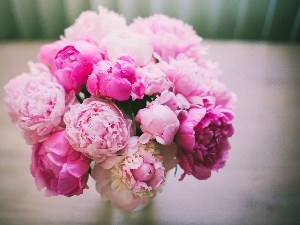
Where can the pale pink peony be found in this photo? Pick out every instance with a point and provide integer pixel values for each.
(137, 177)
(93, 27)
(127, 43)
(203, 141)
(12, 92)
(97, 128)
(155, 80)
(175, 102)
(57, 167)
(189, 79)
(114, 80)
(15, 86)
(223, 97)
(41, 104)
(157, 122)
(74, 63)
(48, 52)
(169, 36)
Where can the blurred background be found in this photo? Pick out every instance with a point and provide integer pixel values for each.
(267, 20)
(255, 42)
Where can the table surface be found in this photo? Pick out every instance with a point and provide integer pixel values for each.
(260, 183)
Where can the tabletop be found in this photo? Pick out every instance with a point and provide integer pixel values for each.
(260, 183)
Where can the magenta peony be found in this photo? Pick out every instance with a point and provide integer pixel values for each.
(97, 128)
(48, 52)
(113, 80)
(57, 167)
(203, 141)
(74, 63)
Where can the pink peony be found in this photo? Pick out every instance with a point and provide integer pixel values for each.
(136, 178)
(12, 92)
(48, 52)
(14, 87)
(203, 141)
(189, 79)
(97, 128)
(93, 27)
(41, 104)
(155, 80)
(113, 80)
(57, 167)
(169, 37)
(74, 63)
(157, 122)
(223, 97)
(127, 43)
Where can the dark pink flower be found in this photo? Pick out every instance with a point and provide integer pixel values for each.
(74, 63)
(57, 167)
(114, 80)
(203, 141)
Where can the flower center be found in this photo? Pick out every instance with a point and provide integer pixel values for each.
(144, 173)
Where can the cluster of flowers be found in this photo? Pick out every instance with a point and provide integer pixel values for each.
(123, 104)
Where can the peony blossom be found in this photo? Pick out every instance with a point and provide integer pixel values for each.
(155, 80)
(157, 122)
(93, 27)
(57, 167)
(12, 92)
(127, 43)
(97, 128)
(15, 86)
(203, 141)
(40, 107)
(169, 36)
(223, 97)
(74, 63)
(114, 80)
(48, 52)
(135, 179)
(189, 79)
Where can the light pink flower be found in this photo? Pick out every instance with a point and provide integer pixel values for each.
(57, 167)
(113, 80)
(97, 128)
(15, 86)
(93, 27)
(175, 102)
(189, 79)
(155, 80)
(136, 178)
(157, 122)
(41, 104)
(48, 52)
(169, 36)
(127, 43)
(74, 63)
(203, 141)
(223, 97)
(12, 92)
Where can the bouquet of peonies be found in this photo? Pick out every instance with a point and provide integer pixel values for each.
(124, 104)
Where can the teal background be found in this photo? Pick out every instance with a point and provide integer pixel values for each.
(266, 20)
